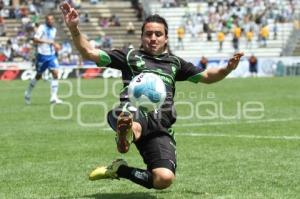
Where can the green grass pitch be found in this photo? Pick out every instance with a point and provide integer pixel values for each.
(236, 139)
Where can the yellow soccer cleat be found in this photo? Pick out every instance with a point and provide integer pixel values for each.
(107, 172)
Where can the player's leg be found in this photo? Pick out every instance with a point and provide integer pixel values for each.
(159, 155)
(54, 88)
(162, 178)
(155, 145)
(53, 67)
(158, 149)
(121, 119)
(158, 178)
(128, 123)
(40, 68)
(128, 131)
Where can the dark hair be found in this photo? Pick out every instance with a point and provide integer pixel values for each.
(49, 15)
(158, 19)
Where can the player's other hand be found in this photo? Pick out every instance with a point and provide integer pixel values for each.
(234, 61)
(71, 16)
(57, 47)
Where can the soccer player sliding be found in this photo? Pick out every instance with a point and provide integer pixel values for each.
(151, 132)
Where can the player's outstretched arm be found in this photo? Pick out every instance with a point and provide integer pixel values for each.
(212, 75)
(71, 18)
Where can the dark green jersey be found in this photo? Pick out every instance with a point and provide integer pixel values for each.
(169, 67)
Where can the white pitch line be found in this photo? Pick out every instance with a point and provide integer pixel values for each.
(235, 136)
(284, 137)
(236, 122)
(229, 123)
(239, 136)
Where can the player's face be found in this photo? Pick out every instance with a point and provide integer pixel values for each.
(50, 20)
(154, 39)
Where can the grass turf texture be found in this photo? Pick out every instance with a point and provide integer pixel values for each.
(43, 157)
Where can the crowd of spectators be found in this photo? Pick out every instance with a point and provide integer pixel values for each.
(228, 19)
(173, 3)
(233, 19)
(28, 16)
(138, 7)
(111, 21)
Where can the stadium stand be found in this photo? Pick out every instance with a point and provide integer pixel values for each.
(293, 48)
(115, 33)
(179, 13)
(198, 45)
(122, 9)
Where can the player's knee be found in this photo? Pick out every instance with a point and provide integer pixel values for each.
(163, 179)
(163, 182)
(55, 75)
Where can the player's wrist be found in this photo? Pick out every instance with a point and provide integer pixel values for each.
(74, 31)
(227, 70)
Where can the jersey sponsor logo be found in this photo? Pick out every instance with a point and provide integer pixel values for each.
(140, 63)
(166, 79)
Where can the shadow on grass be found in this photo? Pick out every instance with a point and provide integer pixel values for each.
(135, 195)
(138, 195)
(132, 195)
(185, 191)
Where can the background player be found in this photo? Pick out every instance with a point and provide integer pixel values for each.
(45, 58)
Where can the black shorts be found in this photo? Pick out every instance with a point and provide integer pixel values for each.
(158, 152)
(156, 145)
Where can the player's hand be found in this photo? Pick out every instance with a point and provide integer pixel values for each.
(56, 46)
(234, 61)
(71, 16)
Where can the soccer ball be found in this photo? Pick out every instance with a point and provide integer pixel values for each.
(147, 91)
